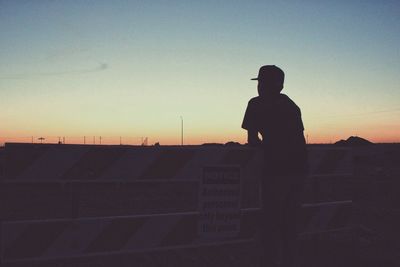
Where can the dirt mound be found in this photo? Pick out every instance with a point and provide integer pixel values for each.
(353, 141)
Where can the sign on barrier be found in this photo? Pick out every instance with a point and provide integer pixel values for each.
(219, 202)
(325, 217)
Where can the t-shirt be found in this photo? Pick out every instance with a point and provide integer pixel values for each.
(278, 119)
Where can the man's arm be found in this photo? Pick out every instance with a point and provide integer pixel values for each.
(251, 123)
(252, 138)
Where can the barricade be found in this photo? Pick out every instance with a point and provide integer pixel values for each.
(84, 184)
(38, 171)
(330, 237)
(88, 237)
(376, 194)
(26, 162)
(25, 242)
(47, 162)
(330, 188)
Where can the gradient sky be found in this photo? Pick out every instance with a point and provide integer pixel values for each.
(132, 68)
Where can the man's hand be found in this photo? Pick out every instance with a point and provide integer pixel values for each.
(252, 138)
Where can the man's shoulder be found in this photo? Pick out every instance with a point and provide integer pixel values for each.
(286, 98)
(254, 100)
(254, 103)
(288, 101)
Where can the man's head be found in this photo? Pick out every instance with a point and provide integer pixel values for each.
(270, 80)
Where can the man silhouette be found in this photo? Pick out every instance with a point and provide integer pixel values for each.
(278, 119)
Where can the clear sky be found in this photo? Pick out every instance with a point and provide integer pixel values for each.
(132, 68)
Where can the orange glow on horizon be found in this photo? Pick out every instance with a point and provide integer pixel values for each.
(384, 137)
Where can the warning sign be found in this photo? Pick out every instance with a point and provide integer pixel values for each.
(219, 202)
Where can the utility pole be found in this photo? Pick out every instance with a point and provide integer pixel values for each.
(181, 131)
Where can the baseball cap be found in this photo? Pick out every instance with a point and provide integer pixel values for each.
(271, 73)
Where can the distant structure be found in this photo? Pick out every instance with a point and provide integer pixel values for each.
(145, 141)
(232, 143)
(353, 141)
(212, 144)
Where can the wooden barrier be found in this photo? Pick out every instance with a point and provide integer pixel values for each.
(59, 193)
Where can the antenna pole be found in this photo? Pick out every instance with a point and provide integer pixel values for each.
(181, 131)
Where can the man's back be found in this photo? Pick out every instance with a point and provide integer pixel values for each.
(278, 119)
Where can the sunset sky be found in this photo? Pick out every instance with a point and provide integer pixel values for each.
(133, 68)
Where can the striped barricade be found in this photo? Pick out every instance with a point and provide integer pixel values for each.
(114, 180)
(331, 174)
(329, 236)
(55, 241)
(328, 188)
(119, 181)
(24, 201)
(126, 180)
(28, 162)
(48, 240)
(330, 160)
(47, 162)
